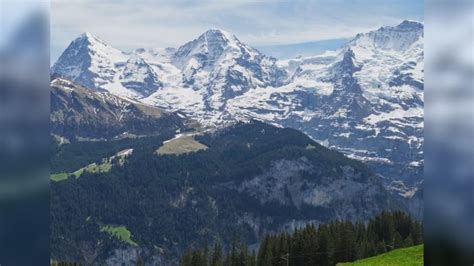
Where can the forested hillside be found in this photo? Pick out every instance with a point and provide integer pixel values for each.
(251, 179)
(326, 244)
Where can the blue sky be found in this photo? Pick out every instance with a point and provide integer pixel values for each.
(164, 23)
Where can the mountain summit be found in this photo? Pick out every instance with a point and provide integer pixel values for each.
(398, 38)
(207, 48)
(92, 63)
(222, 67)
(88, 61)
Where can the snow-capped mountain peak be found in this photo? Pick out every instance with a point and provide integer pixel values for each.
(365, 99)
(396, 38)
(410, 25)
(210, 48)
(91, 44)
(90, 38)
(219, 35)
(89, 61)
(219, 67)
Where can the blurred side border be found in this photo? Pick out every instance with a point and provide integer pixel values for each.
(24, 132)
(449, 132)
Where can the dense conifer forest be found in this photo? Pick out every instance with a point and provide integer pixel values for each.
(326, 244)
(164, 204)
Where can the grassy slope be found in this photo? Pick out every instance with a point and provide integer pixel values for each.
(104, 167)
(120, 232)
(58, 177)
(403, 256)
(92, 168)
(181, 145)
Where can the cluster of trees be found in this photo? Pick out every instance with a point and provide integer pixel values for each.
(64, 263)
(326, 244)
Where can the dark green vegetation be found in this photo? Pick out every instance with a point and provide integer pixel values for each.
(68, 158)
(64, 263)
(104, 166)
(171, 202)
(327, 244)
(412, 256)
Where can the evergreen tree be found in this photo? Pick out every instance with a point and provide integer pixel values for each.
(408, 242)
(187, 259)
(216, 259)
(252, 259)
(397, 240)
(327, 246)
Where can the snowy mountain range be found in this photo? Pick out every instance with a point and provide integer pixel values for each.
(364, 99)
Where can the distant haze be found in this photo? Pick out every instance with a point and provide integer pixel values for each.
(287, 51)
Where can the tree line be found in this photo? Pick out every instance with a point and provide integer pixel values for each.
(326, 244)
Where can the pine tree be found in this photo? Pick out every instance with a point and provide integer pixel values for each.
(140, 261)
(416, 233)
(327, 246)
(265, 257)
(198, 259)
(187, 259)
(252, 259)
(408, 242)
(397, 240)
(244, 255)
(216, 259)
(381, 247)
(263, 250)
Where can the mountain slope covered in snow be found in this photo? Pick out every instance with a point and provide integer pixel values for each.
(364, 99)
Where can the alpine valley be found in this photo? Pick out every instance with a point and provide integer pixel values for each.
(157, 150)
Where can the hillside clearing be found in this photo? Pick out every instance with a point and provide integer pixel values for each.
(58, 177)
(121, 232)
(103, 167)
(91, 168)
(181, 145)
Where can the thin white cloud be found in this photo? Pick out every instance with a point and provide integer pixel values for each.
(163, 23)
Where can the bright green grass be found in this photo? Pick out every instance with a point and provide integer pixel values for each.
(92, 168)
(182, 145)
(58, 177)
(78, 173)
(121, 232)
(398, 257)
